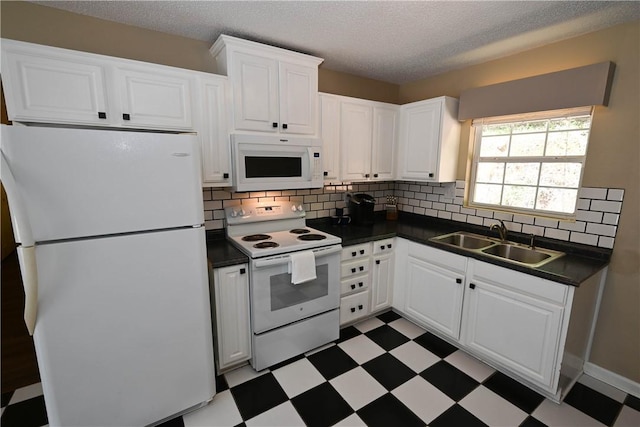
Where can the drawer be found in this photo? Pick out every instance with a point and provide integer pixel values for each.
(356, 251)
(354, 307)
(382, 246)
(354, 284)
(353, 268)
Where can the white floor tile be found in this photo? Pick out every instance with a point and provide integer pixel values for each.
(26, 393)
(409, 329)
(298, 377)
(424, 399)
(369, 324)
(604, 388)
(280, 416)
(221, 411)
(319, 349)
(414, 356)
(471, 366)
(361, 349)
(563, 415)
(492, 409)
(240, 375)
(628, 417)
(352, 420)
(357, 387)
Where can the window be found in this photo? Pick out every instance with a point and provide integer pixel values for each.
(530, 163)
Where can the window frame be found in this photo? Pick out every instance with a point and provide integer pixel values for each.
(476, 138)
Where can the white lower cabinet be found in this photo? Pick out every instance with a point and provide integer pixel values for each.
(534, 330)
(382, 275)
(230, 295)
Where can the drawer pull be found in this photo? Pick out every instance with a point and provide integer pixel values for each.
(472, 286)
(360, 307)
(354, 253)
(382, 247)
(361, 251)
(389, 245)
(361, 268)
(360, 284)
(458, 281)
(243, 271)
(377, 262)
(353, 309)
(353, 286)
(353, 270)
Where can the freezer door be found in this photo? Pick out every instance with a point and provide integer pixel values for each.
(123, 335)
(83, 182)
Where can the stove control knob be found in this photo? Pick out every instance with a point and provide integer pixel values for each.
(242, 212)
(294, 208)
(233, 213)
(300, 208)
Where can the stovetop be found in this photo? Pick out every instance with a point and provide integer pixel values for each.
(273, 228)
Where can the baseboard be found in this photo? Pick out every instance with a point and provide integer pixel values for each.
(613, 379)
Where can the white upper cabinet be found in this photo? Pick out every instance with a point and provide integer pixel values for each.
(274, 90)
(330, 135)
(213, 131)
(52, 85)
(368, 132)
(429, 140)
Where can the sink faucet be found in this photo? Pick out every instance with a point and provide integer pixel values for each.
(502, 229)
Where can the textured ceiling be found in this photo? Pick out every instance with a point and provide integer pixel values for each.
(392, 41)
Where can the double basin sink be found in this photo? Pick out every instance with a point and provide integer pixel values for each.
(505, 250)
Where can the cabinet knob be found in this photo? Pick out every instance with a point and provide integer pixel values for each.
(285, 126)
(375, 175)
(361, 268)
(389, 245)
(126, 116)
(472, 286)
(353, 309)
(430, 175)
(102, 115)
(361, 251)
(382, 247)
(366, 175)
(458, 281)
(225, 175)
(353, 253)
(325, 173)
(360, 307)
(274, 124)
(377, 262)
(353, 270)
(243, 270)
(360, 284)
(353, 286)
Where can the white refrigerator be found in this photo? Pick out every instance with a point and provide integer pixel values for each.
(112, 250)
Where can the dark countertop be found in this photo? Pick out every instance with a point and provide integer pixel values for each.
(221, 253)
(579, 263)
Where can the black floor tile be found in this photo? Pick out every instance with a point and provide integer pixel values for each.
(6, 397)
(258, 395)
(435, 345)
(286, 362)
(389, 371)
(387, 337)
(389, 316)
(221, 383)
(456, 416)
(28, 413)
(241, 425)
(348, 333)
(176, 422)
(511, 390)
(332, 361)
(593, 403)
(450, 380)
(321, 406)
(532, 422)
(388, 411)
(633, 402)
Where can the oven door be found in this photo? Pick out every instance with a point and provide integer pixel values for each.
(275, 301)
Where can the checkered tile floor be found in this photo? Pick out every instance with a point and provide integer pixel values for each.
(384, 371)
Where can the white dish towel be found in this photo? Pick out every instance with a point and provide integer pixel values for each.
(302, 266)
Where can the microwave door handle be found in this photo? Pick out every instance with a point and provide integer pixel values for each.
(26, 250)
(312, 169)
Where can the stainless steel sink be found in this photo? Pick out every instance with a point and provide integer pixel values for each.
(465, 240)
(495, 248)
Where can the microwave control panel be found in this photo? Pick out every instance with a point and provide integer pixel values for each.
(317, 167)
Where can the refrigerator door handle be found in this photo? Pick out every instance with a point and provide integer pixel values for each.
(26, 250)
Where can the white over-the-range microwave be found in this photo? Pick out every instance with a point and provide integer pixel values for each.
(271, 162)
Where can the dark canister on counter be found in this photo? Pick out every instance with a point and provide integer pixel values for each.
(361, 209)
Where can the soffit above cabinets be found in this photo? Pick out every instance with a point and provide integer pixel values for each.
(392, 41)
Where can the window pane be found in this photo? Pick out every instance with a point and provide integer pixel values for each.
(494, 146)
(570, 143)
(522, 173)
(560, 174)
(490, 172)
(496, 129)
(557, 199)
(519, 196)
(583, 122)
(528, 144)
(527, 127)
(487, 193)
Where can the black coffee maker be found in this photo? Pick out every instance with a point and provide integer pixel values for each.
(361, 209)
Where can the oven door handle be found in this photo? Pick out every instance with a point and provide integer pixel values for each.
(284, 259)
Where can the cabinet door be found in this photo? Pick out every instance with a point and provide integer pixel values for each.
(154, 98)
(330, 134)
(355, 139)
(255, 92)
(232, 315)
(382, 282)
(433, 295)
(514, 329)
(41, 87)
(419, 141)
(216, 156)
(298, 98)
(385, 128)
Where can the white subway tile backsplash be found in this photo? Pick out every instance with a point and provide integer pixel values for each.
(426, 189)
(610, 218)
(431, 212)
(459, 217)
(554, 233)
(606, 206)
(615, 194)
(593, 193)
(523, 219)
(589, 216)
(433, 197)
(583, 204)
(444, 215)
(425, 204)
(601, 229)
(475, 220)
(220, 195)
(532, 229)
(586, 239)
(419, 210)
(503, 216)
(439, 206)
(606, 242)
(514, 226)
(544, 222)
(573, 226)
(452, 208)
(484, 213)
(468, 211)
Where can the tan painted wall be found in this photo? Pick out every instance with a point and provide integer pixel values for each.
(613, 160)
